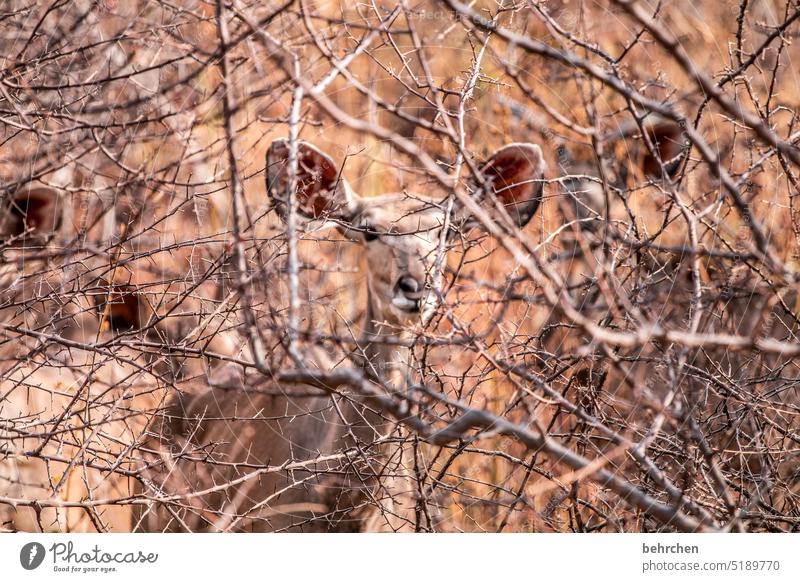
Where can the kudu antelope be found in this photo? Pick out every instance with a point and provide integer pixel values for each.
(655, 275)
(75, 395)
(284, 458)
(629, 158)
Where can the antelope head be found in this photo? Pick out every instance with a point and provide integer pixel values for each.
(400, 232)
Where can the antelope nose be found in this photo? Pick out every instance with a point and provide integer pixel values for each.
(409, 286)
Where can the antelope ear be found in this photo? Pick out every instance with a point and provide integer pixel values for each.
(670, 145)
(515, 172)
(119, 307)
(32, 214)
(320, 190)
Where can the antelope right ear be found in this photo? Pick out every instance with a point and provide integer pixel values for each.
(667, 137)
(30, 215)
(669, 143)
(320, 191)
(514, 175)
(119, 307)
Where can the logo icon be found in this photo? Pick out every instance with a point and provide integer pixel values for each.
(31, 555)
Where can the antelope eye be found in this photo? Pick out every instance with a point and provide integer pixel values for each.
(370, 234)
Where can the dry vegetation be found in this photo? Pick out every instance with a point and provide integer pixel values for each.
(626, 362)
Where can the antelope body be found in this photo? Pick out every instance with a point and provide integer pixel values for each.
(74, 397)
(286, 460)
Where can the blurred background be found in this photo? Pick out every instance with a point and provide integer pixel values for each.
(654, 338)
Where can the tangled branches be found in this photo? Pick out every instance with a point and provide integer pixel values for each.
(313, 266)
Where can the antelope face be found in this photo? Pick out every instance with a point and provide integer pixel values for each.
(30, 218)
(401, 233)
(401, 238)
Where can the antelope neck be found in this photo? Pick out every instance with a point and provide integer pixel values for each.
(389, 361)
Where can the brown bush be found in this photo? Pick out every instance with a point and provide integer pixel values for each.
(187, 345)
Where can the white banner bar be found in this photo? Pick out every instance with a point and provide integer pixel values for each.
(400, 557)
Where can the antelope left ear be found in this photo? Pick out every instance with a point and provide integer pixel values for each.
(31, 215)
(319, 190)
(120, 307)
(515, 174)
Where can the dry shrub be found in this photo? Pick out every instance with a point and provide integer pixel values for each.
(645, 320)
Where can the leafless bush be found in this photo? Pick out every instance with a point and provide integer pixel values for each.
(320, 266)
